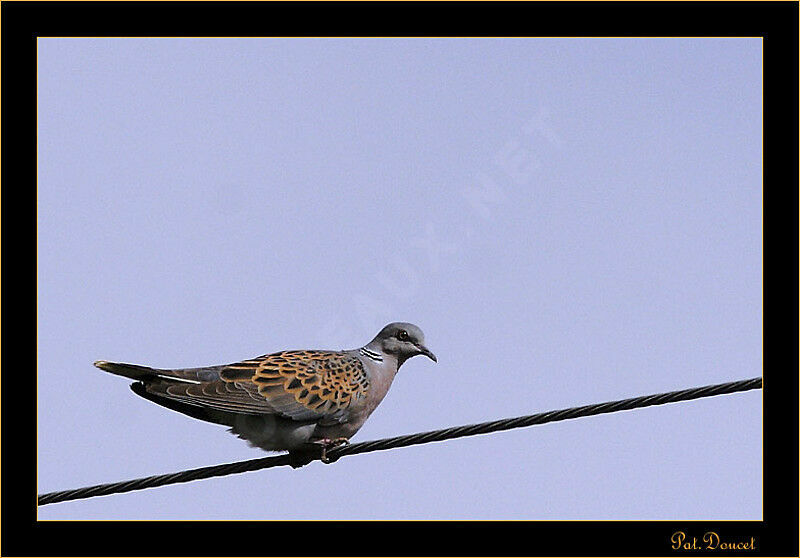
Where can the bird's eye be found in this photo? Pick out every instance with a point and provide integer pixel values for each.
(402, 335)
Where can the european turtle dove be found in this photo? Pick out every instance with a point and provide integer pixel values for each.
(292, 400)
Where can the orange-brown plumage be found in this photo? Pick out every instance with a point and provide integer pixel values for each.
(289, 399)
(319, 382)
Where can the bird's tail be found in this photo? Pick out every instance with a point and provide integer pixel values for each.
(132, 371)
(146, 374)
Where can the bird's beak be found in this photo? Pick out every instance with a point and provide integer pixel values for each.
(423, 350)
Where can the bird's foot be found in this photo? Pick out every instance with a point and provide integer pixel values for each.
(315, 449)
(327, 444)
(298, 459)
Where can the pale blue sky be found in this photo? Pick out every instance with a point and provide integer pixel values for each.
(569, 221)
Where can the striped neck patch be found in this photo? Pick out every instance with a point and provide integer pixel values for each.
(377, 357)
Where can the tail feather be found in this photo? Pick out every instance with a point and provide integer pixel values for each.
(145, 373)
(132, 371)
(148, 379)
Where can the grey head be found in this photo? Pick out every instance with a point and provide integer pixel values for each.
(402, 340)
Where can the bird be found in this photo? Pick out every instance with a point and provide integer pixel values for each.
(301, 401)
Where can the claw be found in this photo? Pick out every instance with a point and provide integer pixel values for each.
(327, 444)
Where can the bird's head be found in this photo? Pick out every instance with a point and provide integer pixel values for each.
(402, 340)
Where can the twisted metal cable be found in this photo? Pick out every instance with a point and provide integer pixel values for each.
(403, 441)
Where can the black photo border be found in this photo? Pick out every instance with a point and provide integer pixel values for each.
(23, 22)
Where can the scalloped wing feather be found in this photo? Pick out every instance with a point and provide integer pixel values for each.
(303, 385)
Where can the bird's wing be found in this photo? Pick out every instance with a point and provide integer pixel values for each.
(302, 385)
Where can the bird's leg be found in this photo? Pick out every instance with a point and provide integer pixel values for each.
(326, 444)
